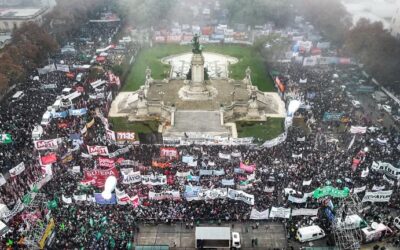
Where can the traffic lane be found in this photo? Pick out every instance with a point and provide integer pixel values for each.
(370, 109)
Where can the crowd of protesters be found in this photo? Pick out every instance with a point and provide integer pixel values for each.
(321, 151)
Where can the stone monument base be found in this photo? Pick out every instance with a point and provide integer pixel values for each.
(197, 92)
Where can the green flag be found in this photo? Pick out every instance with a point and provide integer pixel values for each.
(331, 191)
(5, 138)
(112, 243)
(26, 199)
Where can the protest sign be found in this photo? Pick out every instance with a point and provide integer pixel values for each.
(46, 144)
(17, 169)
(98, 150)
(379, 196)
(154, 180)
(241, 196)
(279, 212)
(130, 176)
(256, 215)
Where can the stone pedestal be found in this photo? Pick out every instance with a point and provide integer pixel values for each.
(253, 109)
(142, 109)
(197, 82)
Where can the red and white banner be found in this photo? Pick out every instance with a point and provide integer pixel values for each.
(105, 162)
(113, 79)
(97, 177)
(169, 152)
(248, 168)
(125, 136)
(98, 150)
(48, 159)
(46, 144)
(123, 198)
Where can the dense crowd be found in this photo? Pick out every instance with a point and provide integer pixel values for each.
(317, 150)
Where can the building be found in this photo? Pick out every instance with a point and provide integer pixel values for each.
(11, 18)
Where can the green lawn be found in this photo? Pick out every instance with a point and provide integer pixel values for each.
(123, 125)
(261, 130)
(151, 57)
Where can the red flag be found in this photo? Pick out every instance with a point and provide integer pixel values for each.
(48, 159)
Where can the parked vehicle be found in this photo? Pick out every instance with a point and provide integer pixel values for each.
(310, 233)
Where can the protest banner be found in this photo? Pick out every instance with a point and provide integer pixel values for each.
(192, 192)
(2, 180)
(297, 200)
(307, 183)
(110, 136)
(100, 200)
(212, 172)
(98, 177)
(76, 169)
(256, 215)
(279, 212)
(304, 212)
(387, 169)
(358, 130)
(224, 156)
(269, 189)
(241, 196)
(379, 196)
(359, 189)
(125, 136)
(183, 174)
(226, 182)
(80, 197)
(378, 188)
(48, 159)
(17, 169)
(154, 180)
(247, 168)
(106, 162)
(169, 152)
(46, 144)
(211, 194)
(67, 200)
(77, 112)
(165, 195)
(331, 191)
(130, 176)
(120, 151)
(187, 159)
(98, 150)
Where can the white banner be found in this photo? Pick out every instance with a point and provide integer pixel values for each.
(154, 180)
(391, 182)
(380, 196)
(378, 188)
(130, 176)
(122, 197)
(98, 150)
(211, 194)
(241, 196)
(81, 197)
(358, 130)
(183, 174)
(359, 189)
(165, 195)
(304, 212)
(46, 144)
(279, 212)
(365, 173)
(307, 183)
(297, 156)
(256, 215)
(297, 200)
(269, 189)
(224, 156)
(119, 152)
(66, 200)
(17, 170)
(76, 169)
(2, 180)
(386, 168)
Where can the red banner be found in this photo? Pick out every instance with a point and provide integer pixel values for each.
(160, 164)
(48, 159)
(169, 153)
(97, 177)
(105, 162)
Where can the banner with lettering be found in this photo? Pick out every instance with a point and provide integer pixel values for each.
(98, 150)
(241, 196)
(358, 130)
(160, 164)
(62, 114)
(359, 189)
(120, 151)
(125, 136)
(256, 215)
(80, 197)
(98, 177)
(154, 180)
(17, 170)
(307, 183)
(212, 172)
(110, 136)
(248, 168)
(279, 212)
(169, 153)
(331, 191)
(187, 159)
(224, 156)
(379, 196)
(386, 168)
(211, 194)
(106, 162)
(77, 112)
(304, 212)
(130, 176)
(67, 200)
(226, 182)
(100, 200)
(165, 195)
(46, 144)
(192, 192)
(183, 174)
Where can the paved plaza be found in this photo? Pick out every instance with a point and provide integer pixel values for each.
(269, 235)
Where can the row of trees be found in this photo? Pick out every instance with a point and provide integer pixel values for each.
(366, 41)
(30, 45)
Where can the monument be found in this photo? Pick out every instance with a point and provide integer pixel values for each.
(198, 100)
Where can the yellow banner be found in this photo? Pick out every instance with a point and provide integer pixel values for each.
(47, 233)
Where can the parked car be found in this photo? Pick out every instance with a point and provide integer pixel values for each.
(236, 240)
